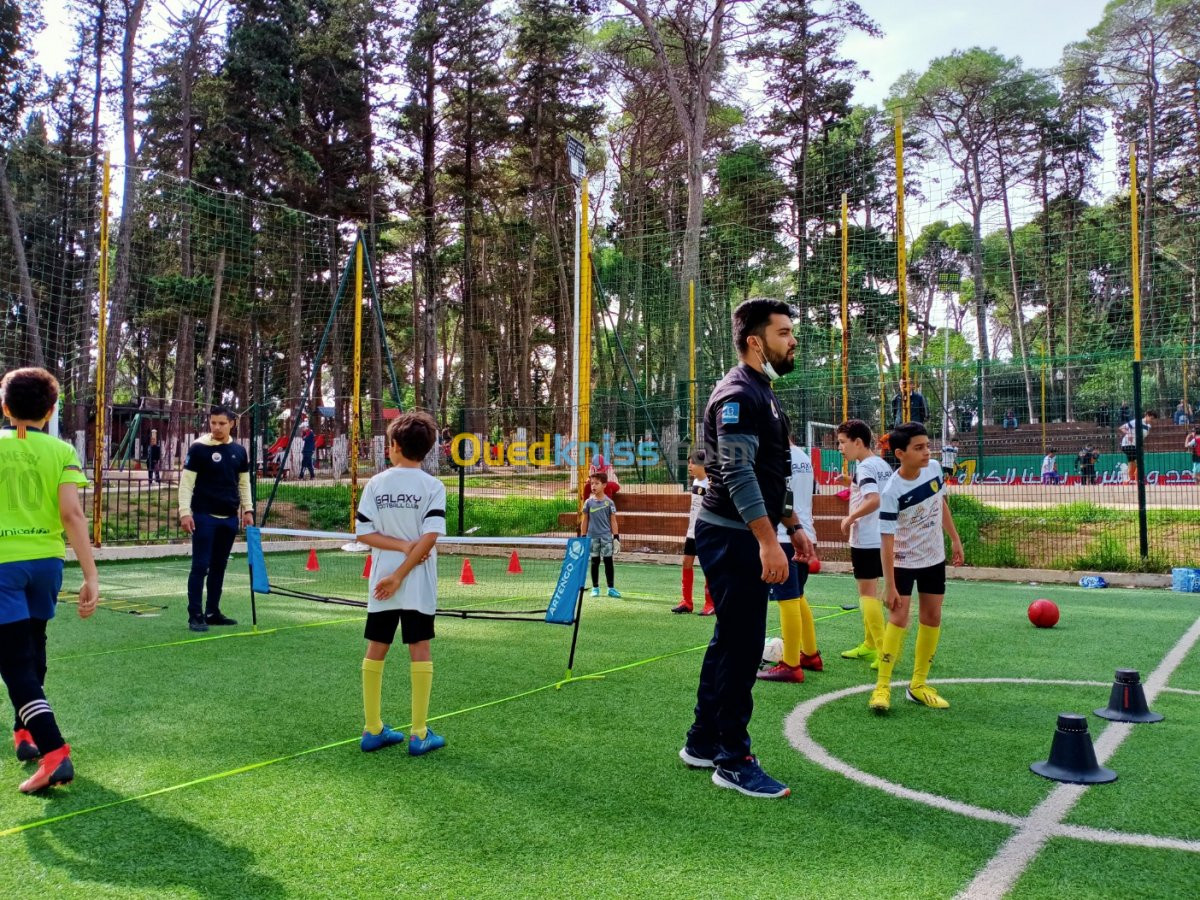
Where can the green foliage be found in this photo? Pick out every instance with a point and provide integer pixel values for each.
(1108, 553)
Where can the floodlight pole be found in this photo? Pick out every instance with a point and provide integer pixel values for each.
(575, 153)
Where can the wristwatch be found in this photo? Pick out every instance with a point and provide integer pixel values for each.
(792, 529)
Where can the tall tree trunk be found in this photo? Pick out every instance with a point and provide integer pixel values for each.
(295, 333)
(120, 292)
(214, 319)
(1018, 307)
(980, 291)
(33, 313)
(82, 368)
(430, 312)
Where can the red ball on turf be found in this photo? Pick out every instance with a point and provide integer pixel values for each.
(814, 565)
(1043, 613)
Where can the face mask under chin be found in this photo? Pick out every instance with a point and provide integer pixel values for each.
(785, 366)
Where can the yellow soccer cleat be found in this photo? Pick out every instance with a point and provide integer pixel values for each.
(881, 700)
(862, 651)
(926, 696)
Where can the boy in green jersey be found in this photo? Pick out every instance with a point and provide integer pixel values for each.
(40, 498)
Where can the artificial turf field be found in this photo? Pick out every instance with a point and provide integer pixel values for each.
(227, 764)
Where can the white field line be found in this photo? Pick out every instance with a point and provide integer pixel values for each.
(796, 730)
(1045, 821)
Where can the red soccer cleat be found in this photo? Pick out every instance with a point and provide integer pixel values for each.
(781, 671)
(812, 663)
(55, 768)
(26, 749)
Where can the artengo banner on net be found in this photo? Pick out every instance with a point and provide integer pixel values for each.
(471, 450)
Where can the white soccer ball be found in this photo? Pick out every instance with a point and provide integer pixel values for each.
(772, 651)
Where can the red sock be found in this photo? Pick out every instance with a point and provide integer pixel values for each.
(708, 603)
(689, 576)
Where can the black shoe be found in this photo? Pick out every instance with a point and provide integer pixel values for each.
(197, 623)
(218, 618)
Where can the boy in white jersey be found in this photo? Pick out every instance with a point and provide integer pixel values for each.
(699, 489)
(400, 515)
(795, 617)
(913, 518)
(861, 526)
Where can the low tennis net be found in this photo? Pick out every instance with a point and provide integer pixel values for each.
(505, 578)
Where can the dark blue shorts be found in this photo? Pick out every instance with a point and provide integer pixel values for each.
(29, 589)
(793, 588)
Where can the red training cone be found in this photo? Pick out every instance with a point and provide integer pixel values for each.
(514, 564)
(367, 567)
(467, 577)
(312, 565)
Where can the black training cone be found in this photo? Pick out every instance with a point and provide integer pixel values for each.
(1072, 758)
(1127, 702)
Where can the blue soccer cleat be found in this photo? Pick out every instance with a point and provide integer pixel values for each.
(613, 592)
(419, 746)
(596, 592)
(387, 737)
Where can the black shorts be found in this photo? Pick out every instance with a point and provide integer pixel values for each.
(793, 588)
(689, 546)
(930, 580)
(866, 562)
(1130, 452)
(414, 626)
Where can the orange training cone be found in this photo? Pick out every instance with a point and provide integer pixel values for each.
(514, 564)
(367, 567)
(467, 577)
(312, 565)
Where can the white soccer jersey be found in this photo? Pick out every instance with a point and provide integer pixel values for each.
(801, 481)
(403, 503)
(912, 511)
(1129, 433)
(699, 489)
(870, 477)
(1049, 465)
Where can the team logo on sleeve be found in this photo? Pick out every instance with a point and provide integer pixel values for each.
(730, 413)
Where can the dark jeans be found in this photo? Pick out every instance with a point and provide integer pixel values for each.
(306, 464)
(153, 472)
(729, 557)
(211, 542)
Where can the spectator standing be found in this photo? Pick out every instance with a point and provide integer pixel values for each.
(153, 459)
(1086, 463)
(308, 448)
(1129, 440)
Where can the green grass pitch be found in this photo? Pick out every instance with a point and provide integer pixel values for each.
(228, 766)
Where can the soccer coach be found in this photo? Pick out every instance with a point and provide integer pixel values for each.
(746, 445)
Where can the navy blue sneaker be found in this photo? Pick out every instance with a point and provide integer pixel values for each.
(419, 746)
(387, 737)
(748, 778)
(699, 757)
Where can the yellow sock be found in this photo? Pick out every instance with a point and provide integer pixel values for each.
(873, 625)
(808, 629)
(927, 641)
(372, 676)
(791, 620)
(422, 687)
(893, 641)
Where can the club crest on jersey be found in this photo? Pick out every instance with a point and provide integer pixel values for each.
(216, 457)
(730, 413)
